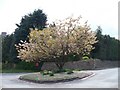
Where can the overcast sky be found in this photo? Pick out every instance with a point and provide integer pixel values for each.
(97, 12)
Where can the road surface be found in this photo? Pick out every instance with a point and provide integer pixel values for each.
(107, 78)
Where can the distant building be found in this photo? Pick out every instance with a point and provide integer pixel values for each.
(3, 34)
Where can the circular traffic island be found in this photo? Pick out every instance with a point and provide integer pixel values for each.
(54, 78)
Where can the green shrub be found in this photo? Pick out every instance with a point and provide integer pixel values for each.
(45, 72)
(69, 72)
(51, 73)
(85, 58)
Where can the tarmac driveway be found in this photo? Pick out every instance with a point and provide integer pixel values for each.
(107, 78)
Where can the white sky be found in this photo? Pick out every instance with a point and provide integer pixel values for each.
(97, 12)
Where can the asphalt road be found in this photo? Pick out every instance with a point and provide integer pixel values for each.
(107, 78)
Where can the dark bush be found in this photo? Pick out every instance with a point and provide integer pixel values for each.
(7, 66)
(26, 65)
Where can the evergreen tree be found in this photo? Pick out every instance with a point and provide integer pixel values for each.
(6, 45)
(37, 19)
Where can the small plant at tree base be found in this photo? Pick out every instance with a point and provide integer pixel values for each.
(70, 72)
(85, 58)
(45, 72)
(51, 73)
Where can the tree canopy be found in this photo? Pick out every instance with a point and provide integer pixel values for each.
(56, 43)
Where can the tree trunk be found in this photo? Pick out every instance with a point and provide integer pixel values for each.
(60, 62)
(60, 65)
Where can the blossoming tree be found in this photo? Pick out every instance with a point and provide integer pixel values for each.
(56, 43)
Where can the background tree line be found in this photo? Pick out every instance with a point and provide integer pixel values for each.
(106, 49)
